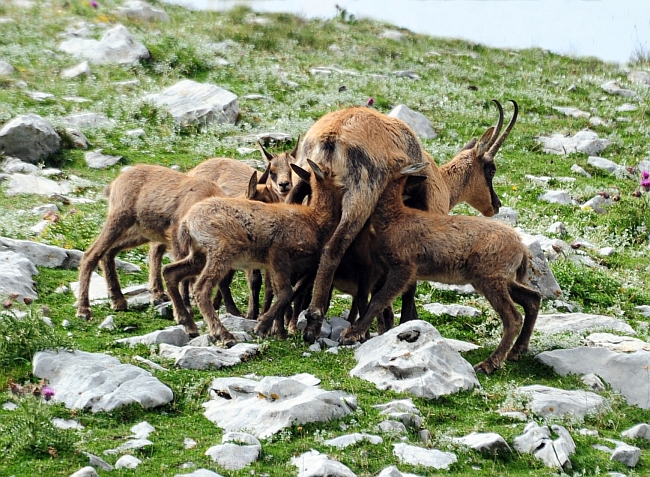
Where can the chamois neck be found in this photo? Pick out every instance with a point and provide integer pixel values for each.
(456, 174)
(325, 202)
(390, 204)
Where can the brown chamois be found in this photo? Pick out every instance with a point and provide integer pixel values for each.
(365, 148)
(145, 204)
(411, 245)
(233, 177)
(283, 239)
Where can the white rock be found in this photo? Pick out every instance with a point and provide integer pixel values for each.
(9, 406)
(82, 68)
(608, 166)
(537, 440)
(87, 120)
(349, 439)
(416, 121)
(29, 137)
(556, 197)
(200, 473)
(606, 251)
(40, 96)
(139, 10)
(640, 431)
(97, 160)
(628, 455)
(644, 310)
(489, 442)
(640, 77)
(620, 344)
(108, 323)
(233, 456)
(598, 204)
(452, 310)
(98, 381)
(557, 228)
(578, 323)
(117, 46)
(507, 215)
(211, 357)
(66, 424)
(572, 112)
(16, 273)
(127, 462)
(583, 141)
(393, 471)
(402, 410)
(142, 430)
(189, 443)
(391, 426)
(514, 415)
(131, 444)
(627, 107)
(6, 69)
(98, 462)
(315, 464)
(580, 170)
(29, 184)
(461, 346)
(424, 457)
(612, 87)
(173, 335)
(414, 357)
(594, 382)
(392, 35)
(87, 471)
(136, 133)
(547, 401)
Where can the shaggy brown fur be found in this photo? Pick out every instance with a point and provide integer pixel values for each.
(236, 234)
(145, 204)
(416, 245)
(364, 148)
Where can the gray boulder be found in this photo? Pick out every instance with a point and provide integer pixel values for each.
(620, 344)
(639, 77)
(546, 401)
(608, 166)
(554, 323)
(238, 450)
(416, 121)
(82, 68)
(172, 335)
(117, 46)
(29, 137)
(415, 358)
(537, 440)
(190, 102)
(315, 464)
(210, 357)
(87, 120)
(138, 10)
(16, 273)
(19, 184)
(393, 471)
(127, 462)
(87, 471)
(266, 407)
(349, 439)
(539, 276)
(6, 69)
(627, 454)
(402, 410)
(487, 442)
(98, 382)
(640, 431)
(580, 170)
(556, 197)
(626, 373)
(612, 87)
(508, 215)
(583, 141)
(451, 310)
(571, 111)
(200, 473)
(424, 457)
(389, 426)
(97, 160)
(98, 462)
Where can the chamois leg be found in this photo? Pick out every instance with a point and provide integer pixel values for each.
(268, 292)
(530, 301)
(272, 322)
(107, 263)
(174, 274)
(396, 279)
(214, 271)
(500, 300)
(107, 239)
(386, 320)
(408, 304)
(224, 291)
(300, 299)
(156, 252)
(352, 221)
(254, 278)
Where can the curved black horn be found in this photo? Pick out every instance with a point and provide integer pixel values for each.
(497, 129)
(295, 149)
(267, 155)
(495, 147)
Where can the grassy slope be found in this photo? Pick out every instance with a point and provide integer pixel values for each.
(264, 55)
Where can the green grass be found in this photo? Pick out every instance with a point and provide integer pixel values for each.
(455, 91)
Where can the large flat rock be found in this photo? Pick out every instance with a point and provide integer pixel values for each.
(30, 138)
(207, 357)
(116, 46)
(98, 382)
(549, 402)
(579, 323)
(414, 358)
(16, 273)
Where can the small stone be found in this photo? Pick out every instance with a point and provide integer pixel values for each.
(98, 462)
(87, 471)
(580, 170)
(594, 382)
(108, 323)
(557, 228)
(127, 462)
(628, 455)
(9, 406)
(81, 69)
(65, 323)
(390, 426)
(556, 197)
(189, 443)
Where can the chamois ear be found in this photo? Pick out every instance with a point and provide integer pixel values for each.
(252, 187)
(303, 174)
(317, 170)
(469, 145)
(265, 175)
(484, 143)
(294, 153)
(413, 169)
(267, 155)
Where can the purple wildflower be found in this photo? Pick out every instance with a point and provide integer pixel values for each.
(645, 181)
(47, 392)
(370, 102)
(94, 4)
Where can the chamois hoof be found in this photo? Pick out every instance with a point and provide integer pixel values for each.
(515, 354)
(120, 305)
(193, 335)
(159, 298)
(85, 314)
(314, 322)
(487, 367)
(227, 340)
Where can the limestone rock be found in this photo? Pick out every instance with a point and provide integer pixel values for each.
(488, 442)
(401, 410)
(211, 357)
(424, 457)
(626, 373)
(546, 401)
(390, 426)
(393, 471)
(30, 184)
(416, 121)
(579, 323)
(594, 382)
(190, 102)
(612, 87)
(507, 215)
(238, 450)
(139, 10)
(452, 310)
(173, 335)
(608, 166)
(66, 424)
(98, 381)
(97, 160)
(87, 471)
(628, 455)
(571, 111)
(87, 120)
(583, 141)
(349, 439)
(598, 204)
(640, 431)
(75, 71)
(393, 35)
(415, 358)
(29, 137)
(6, 69)
(131, 444)
(274, 403)
(98, 462)
(556, 197)
(117, 46)
(580, 170)
(620, 344)
(315, 464)
(640, 77)
(537, 440)
(127, 462)
(200, 473)
(16, 273)
(539, 276)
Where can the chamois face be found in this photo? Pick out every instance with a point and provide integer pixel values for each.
(278, 170)
(481, 195)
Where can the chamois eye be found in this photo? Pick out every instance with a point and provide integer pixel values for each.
(492, 172)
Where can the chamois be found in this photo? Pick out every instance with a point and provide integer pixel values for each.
(145, 204)
(220, 235)
(414, 245)
(364, 148)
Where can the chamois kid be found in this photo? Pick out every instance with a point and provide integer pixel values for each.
(417, 245)
(283, 239)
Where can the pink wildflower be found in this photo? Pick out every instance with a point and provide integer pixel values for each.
(94, 4)
(47, 392)
(645, 181)
(370, 102)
